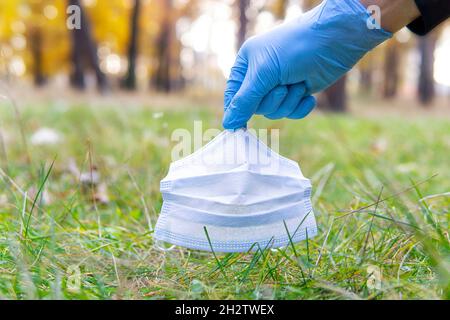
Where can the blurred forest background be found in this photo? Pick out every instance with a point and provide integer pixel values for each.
(86, 117)
(189, 46)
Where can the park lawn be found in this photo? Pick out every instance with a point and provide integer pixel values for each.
(60, 243)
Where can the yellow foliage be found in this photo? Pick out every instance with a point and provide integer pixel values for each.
(109, 20)
(21, 20)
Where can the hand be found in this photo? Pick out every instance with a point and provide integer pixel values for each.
(275, 73)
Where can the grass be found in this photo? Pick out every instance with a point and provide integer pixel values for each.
(381, 199)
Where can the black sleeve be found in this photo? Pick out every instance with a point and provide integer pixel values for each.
(433, 12)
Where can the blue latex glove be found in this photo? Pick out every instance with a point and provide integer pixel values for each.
(275, 73)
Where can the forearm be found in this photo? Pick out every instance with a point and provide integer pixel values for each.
(395, 14)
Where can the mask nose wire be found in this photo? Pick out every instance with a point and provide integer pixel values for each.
(247, 142)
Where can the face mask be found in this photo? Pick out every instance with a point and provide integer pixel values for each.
(233, 195)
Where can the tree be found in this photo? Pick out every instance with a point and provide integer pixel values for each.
(36, 48)
(36, 43)
(33, 34)
(83, 43)
(336, 96)
(365, 67)
(425, 89)
(130, 79)
(164, 47)
(167, 76)
(391, 69)
(243, 21)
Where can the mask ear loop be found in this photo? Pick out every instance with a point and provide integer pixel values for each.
(161, 245)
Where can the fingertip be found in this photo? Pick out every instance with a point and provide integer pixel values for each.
(226, 121)
(272, 117)
(233, 119)
(272, 100)
(311, 100)
(299, 89)
(294, 95)
(304, 108)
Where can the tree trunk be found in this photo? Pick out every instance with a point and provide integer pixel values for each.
(243, 21)
(163, 75)
(366, 80)
(36, 51)
(77, 79)
(391, 70)
(130, 79)
(336, 96)
(83, 41)
(425, 88)
(366, 71)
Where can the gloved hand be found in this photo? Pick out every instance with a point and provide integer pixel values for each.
(275, 73)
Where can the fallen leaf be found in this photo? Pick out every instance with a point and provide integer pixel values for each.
(44, 197)
(157, 115)
(101, 194)
(379, 146)
(91, 178)
(46, 136)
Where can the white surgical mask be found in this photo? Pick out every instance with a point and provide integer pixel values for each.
(244, 194)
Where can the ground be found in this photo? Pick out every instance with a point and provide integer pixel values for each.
(380, 191)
